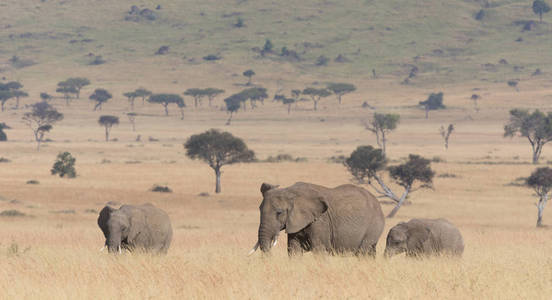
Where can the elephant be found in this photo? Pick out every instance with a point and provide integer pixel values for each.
(423, 237)
(345, 219)
(130, 227)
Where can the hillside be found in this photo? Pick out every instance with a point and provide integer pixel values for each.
(443, 40)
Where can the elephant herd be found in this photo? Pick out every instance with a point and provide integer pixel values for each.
(345, 219)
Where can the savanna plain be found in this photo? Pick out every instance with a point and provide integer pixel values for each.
(53, 251)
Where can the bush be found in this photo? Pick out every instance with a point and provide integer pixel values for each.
(98, 60)
(12, 213)
(32, 181)
(161, 189)
(211, 57)
(322, 61)
(4, 160)
(64, 165)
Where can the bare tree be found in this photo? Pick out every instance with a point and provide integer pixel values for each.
(445, 133)
(536, 127)
(40, 119)
(541, 181)
(382, 125)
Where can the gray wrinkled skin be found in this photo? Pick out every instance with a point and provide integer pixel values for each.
(423, 237)
(319, 219)
(130, 227)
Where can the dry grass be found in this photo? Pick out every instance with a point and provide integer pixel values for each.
(51, 256)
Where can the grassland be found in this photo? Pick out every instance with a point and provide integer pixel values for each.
(52, 252)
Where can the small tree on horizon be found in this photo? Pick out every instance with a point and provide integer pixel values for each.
(366, 163)
(249, 74)
(78, 83)
(64, 165)
(218, 149)
(541, 181)
(100, 96)
(108, 121)
(232, 105)
(536, 127)
(165, 100)
(340, 89)
(197, 94)
(143, 93)
(433, 102)
(211, 93)
(316, 94)
(181, 105)
(5, 95)
(132, 119)
(445, 133)
(382, 125)
(66, 88)
(40, 119)
(131, 97)
(540, 7)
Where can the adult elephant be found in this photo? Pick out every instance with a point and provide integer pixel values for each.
(423, 237)
(319, 219)
(130, 227)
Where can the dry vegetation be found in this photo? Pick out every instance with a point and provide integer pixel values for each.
(52, 251)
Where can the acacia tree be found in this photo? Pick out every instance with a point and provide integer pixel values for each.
(381, 125)
(100, 96)
(143, 93)
(254, 94)
(218, 149)
(249, 74)
(197, 94)
(14, 88)
(445, 133)
(45, 97)
(433, 102)
(340, 89)
(78, 83)
(232, 105)
(181, 105)
(108, 121)
(66, 88)
(540, 7)
(316, 94)
(5, 95)
(132, 119)
(19, 94)
(40, 119)
(165, 100)
(367, 163)
(3, 136)
(211, 93)
(536, 127)
(541, 181)
(131, 97)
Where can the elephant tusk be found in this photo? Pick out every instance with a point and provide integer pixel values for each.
(102, 249)
(120, 249)
(253, 249)
(275, 241)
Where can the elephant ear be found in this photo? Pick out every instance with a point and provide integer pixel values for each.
(265, 187)
(137, 223)
(104, 216)
(417, 237)
(304, 211)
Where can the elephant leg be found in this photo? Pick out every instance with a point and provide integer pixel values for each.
(367, 248)
(294, 245)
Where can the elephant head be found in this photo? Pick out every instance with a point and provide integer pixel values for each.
(292, 209)
(406, 238)
(115, 225)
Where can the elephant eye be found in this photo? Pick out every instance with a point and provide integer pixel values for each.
(279, 211)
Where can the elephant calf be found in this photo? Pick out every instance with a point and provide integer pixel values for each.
(130, 227)
(419, 237)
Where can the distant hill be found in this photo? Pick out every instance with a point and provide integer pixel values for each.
(417, 42)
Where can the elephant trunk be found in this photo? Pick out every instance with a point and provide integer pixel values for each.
(265, 239)
(114, 243)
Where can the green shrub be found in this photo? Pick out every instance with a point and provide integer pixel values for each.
(64, 165)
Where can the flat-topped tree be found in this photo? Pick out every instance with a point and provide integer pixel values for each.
(434, 102)
(197, 94)
(367, 164)
(101, 96)
(218, 149)
(165, 100)
(382, 125)
(15, 88)
(143, 93)
(316, 94)
(249, 74)
(5, 95)
(132, 119)
(288, 102)
(181, 105)
(108, 121)
(255, 94)
(540, 7)
(45, 97)
(40, 119)
(78, 83)
(131, 97)
(19, 94)
(232, 105)
(67, 89)
(541, 181)
(536, 127)
(211, 93)
(340, 89)
(3, 136)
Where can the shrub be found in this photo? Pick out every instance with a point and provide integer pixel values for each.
(32, 181)
(161, 189)
(64, 165)
(12, 213)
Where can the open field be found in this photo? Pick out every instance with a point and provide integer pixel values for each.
(52, 252)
